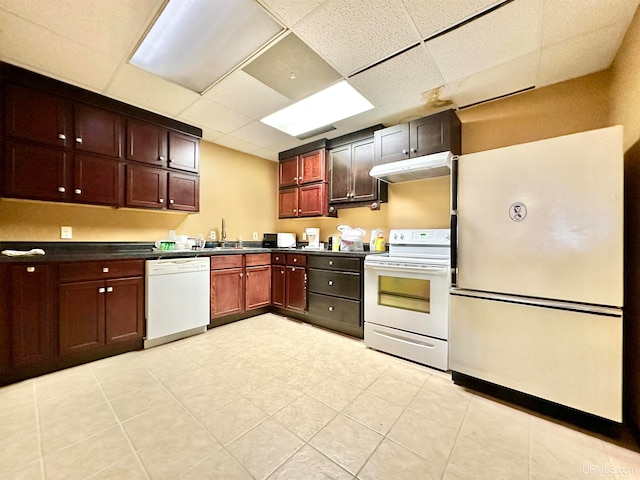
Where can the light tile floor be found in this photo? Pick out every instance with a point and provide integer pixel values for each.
(270, 397)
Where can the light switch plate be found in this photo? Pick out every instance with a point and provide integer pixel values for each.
(255, 235)
(66, 232)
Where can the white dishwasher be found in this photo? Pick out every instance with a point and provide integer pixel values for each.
(176, 299)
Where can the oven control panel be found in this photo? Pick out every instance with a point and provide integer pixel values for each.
(420, 236)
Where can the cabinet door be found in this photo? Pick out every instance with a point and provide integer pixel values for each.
(288, 203)
(146, 143)
(340, 174)
(184, 152)
(312, 167)
(278, 285)
(226, 292)
(124, 309)
(184, 192)
(31, 313)
(365, 187)
(96, 180)
(312, 200)
(288, 172)
(257, 286)
(296, 291)
(97, 130)
(429, 135)
(391, 143)
(146, 187)
(36, 172)
(81, 319)
(35, 115)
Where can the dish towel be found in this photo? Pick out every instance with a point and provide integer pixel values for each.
(22, 253)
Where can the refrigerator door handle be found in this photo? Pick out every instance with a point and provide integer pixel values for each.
(454, 250)
(539, 302)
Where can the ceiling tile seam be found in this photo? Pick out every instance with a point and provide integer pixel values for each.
(385, 59)
(475, 104)
(545, 5)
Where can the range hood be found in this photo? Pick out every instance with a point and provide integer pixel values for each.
(428, 166)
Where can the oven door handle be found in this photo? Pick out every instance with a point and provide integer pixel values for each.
(400, 268)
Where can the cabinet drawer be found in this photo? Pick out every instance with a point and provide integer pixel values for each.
(225, 261)
(334, 263)
(257, 259)
(296, 260)
(278, 259)
(80, 271)
(343, 284)
(336, 309)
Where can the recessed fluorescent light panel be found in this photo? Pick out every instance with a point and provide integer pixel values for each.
(195, 43)
(335, 103)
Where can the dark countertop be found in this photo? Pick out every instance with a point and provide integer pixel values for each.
(84, 251)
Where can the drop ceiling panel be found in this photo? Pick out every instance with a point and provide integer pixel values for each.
(291, 11)
(238, 144)
(145, 90)
(243, 93)
(260, 134)
(267, 154)
(564, 19)
(292, 69)
(438, 15)
(507, 33)
(351, 34)
(579, 56)
(513, 76)
(385, 86)
(210, 114)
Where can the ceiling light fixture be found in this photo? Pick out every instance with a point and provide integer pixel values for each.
(335, 103)
(195, 43)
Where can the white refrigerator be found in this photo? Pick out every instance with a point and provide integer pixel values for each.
(536, 304)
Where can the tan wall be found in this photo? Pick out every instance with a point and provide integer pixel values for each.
(234, 185)
(625, 110)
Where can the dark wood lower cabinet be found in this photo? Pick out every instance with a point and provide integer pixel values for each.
(257, 286)
(82, 319)
(226, 292)
(278, 285)
(124, 312)
(296, 292)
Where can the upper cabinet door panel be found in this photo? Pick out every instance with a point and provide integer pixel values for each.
(288, 175)
(184, 192)
(146, 187)
(340, 178)
(428, 135)
(365, 187)
(98, 131)
(312, 167)
(184, 152)
(392, 143)
(35, 115)
(96, 180)
(146, 143)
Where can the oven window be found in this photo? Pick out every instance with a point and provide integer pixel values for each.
(405, 293)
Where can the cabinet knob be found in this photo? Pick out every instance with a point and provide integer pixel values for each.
(404, 152)
(241, 275)
(414, 150)
(294, 210)
(105, 269)
(101, 290)
(281, 272)
(78, 139)
(62, 189)
(299, 178)
(330, 309)
(109, 289)
(171, 201)
(161, 159)
(161, 200)
(330, 262)
(295, 260)
(62, 136)
(330, 282)
(171, 160)
(31, 269)
(78, 191)
(277, 258)
(299, 210)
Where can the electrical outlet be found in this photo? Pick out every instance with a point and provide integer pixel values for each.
(66, 232)
(255, 235)
(304, 237)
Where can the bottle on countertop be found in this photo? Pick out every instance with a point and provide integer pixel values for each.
(380, 245)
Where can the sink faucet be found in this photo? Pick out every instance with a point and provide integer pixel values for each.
(223, 233)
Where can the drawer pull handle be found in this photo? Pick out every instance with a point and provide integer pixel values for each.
(162, 200)
(295, 260)
(101, 290)
(62, 189)
(281, 272)
(31, 269)
(330, 282)
(105, 269)
(330, 309)
(78, 139)
(109, 289)
(330, 262)
(78, 191)
(171, 201)
(62, 136)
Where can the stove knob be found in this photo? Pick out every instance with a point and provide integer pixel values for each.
(395, 236)
(402, 236)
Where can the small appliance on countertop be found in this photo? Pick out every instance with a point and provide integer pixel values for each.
(286, 240)
(269, 240)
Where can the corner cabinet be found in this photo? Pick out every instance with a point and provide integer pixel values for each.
(351, 157)
(302, 185)
(440, 132)
(82, 146)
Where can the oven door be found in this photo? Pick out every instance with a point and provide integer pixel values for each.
(413, 299)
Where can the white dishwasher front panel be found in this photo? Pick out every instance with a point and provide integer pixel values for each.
(177, 299)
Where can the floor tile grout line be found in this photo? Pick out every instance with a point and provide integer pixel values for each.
(453, 447)
(124, 432)
(39, 429)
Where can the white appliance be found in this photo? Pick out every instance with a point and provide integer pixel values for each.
(177, 299)
(313, 238)
(286, 240)
(406, 296)
(537, 303)
(428, 166)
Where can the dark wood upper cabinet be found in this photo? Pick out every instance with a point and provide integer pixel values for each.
(183, 192)
(288, 172)
(96, 180)
(97, 130)
(340, 185)
(146, 187)
(312, 200)
(288, 203)
(312, 167)
(303, 186)
(436, 133)
(146, 143)
(31, 114)
(184, 152)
